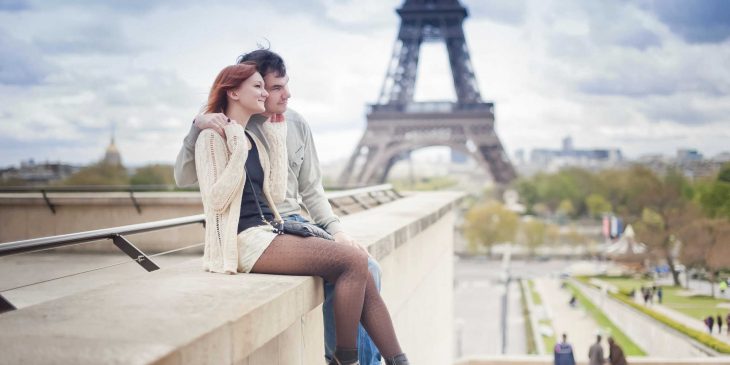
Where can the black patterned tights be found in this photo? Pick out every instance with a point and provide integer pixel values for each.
(356, 298)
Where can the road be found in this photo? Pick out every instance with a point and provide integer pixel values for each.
(479, 288)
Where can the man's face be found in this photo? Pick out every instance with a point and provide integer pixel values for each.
(278, 93)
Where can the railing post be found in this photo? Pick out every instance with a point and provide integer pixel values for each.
(134, 201)
(360, 202)
(133, 252)
(48, 202)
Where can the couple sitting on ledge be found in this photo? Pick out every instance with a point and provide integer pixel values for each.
(253, 159)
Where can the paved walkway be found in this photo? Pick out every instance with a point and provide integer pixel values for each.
(575, 322)
(650, 335)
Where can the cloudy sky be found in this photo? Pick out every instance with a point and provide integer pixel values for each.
(644, 76)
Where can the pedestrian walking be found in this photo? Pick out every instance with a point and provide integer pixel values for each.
(645, 293)
(564, 352)
(595, 353)
(652, 291)
(660, 294)
(719, 323)
(710, 323)
(723, 287)
(615, 353)
(727, 320)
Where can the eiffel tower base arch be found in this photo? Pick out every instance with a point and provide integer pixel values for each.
(391, 136)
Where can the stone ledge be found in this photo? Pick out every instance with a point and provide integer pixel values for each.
(384, 228)
(152, 316)
(185, 315)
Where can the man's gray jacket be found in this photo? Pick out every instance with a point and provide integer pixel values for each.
(305, 177)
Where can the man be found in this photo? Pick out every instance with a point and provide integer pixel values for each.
(710, 323)
(304, 178)
(719, 323)
(615, 353)
(595, 353)
(564, 352)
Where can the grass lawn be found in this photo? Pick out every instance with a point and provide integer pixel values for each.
(535, 297)
(531, 345)
(548, 341)
(696, 306)
(630, 348)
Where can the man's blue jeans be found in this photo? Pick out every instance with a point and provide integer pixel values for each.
(367, 350)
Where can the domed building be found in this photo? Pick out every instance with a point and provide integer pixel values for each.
(112, 156)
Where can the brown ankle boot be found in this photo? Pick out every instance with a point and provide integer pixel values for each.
(399, 359)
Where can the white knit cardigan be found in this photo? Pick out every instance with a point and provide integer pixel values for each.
(220, 167)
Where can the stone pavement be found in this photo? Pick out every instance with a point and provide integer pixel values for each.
(575, 322)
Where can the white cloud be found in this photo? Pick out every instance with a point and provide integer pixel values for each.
(608, 73)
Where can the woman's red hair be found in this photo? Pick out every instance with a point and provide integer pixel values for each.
(229, 78)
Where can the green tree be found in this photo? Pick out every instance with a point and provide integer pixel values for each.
(566, 208)
(706, 244)
(99, 174)
(534, 234)
(490, 223)
(714, 196)
(153, 175)
(724, 174)
(667, 210)
(597, 205)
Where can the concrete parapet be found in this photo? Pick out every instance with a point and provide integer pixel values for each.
(183, 315)
(27, 215)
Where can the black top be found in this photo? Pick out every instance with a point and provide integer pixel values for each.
(249, 216)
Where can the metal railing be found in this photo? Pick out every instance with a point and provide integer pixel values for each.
(115, 234)
(376, 195)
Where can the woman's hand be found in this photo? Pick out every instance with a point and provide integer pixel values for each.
(233, 130)
(214, 121)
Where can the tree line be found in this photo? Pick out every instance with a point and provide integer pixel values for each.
(669, 212)
(112, 174)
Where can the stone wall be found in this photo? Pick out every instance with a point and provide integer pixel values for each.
(182, 315)
(26, 216)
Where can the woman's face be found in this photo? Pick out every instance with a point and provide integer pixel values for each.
(251, 94)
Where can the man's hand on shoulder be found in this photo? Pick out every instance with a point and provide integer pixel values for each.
(214, 121)
(344, 238)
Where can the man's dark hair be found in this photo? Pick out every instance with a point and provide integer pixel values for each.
(266, 62)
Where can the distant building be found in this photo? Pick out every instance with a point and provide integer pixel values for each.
(552, 160)
(458, 157)
(689, 161)
(32, 173)
(722, 157)
(688, 156)
(112, 155)
(520, 156)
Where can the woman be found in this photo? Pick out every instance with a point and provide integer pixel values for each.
(236, 239)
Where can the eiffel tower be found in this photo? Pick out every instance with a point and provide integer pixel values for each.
(397, 125)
